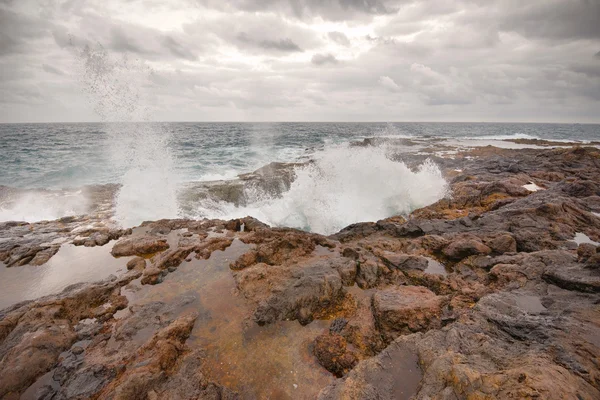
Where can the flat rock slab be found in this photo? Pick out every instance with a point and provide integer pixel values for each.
(574, 278)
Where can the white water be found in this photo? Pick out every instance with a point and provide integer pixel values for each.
(149, 185)
(512, 136)
(345, 185)
(43, 206)
(149, 182)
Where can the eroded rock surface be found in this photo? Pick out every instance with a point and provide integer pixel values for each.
(484, 294)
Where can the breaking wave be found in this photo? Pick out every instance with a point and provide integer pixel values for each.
(36, 206)
(343, 185)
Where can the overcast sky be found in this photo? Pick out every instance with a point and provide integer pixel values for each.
(304, 60)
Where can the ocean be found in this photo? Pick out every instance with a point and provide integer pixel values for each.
(45, 166)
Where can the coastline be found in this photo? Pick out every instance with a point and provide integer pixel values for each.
(513, 311)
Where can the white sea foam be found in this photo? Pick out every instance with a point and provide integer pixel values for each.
(503, 137)
(343, 186)
(518, 135)
(225, 174)
(41, 206)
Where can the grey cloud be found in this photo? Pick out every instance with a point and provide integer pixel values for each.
(321, 59)
(339, 38)
(539, 19)
(177, 49)
(284, 45)
(458, 59)
(591, 69)
(302, 9)
(120, 42)
(52, 70)
(557, 19)
(253, 33)
(124, 38)
(17, 31)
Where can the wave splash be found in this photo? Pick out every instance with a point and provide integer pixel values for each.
(344, 185)
(149, 183)
(36, 206)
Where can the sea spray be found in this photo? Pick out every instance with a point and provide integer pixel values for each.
(343, 185)
(139, 149)
(149, 184)
(40, 205)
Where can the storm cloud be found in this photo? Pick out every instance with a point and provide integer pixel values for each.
(370, 60)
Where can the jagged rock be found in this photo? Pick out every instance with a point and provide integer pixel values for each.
(306, 292)
(433, 243)
(205, 249)
(404, 262)
(585, 251)
(42, 256)
(332, 353)
(514, 315)
(462, 248)
(367, 274)
(503, 243)
(34, 354)
(136, 263)
(139, 246)
(406, 309)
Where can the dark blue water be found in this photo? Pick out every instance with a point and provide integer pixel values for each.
(71, 155)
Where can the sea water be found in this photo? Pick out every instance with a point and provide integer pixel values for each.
(152, 161)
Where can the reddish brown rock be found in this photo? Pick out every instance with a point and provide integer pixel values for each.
(34, 354)
(461, 248)
(171, 258)
(332, 352)
(281, 246)
(205, 249)
(136, 263)
(245, 260)
(585, 251)
(501, 244)
(433, 243)
(406, 309)
(139, 246)
(44, 255)
(593, 262)
(404, 262)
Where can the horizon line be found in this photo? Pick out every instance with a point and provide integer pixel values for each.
(304, 122)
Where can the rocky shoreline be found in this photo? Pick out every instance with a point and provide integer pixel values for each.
(493, 292)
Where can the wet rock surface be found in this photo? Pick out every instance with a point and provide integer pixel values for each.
(484, 294)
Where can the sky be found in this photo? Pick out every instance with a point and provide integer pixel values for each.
(300, 60)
